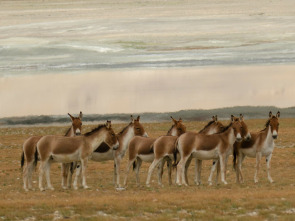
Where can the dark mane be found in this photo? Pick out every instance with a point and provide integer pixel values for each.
(267, 123)
(211, 122)
(125, 128)
(225, 128)
(94, 130)
(170, 129)
(68, 131)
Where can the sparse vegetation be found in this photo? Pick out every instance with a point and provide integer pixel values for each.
(262, 201)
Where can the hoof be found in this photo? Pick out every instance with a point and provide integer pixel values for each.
(148, 185)
(120, 189)
(42, 189)
(75, 187)
(210, 184)
(86, 187)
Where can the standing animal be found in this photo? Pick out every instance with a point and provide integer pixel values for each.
(245, 134)
(104, 153)
(163, 149)
(30, 153)
(70, 149)
(205, 147)
(140, 149)
(260, 145)
(213, 127)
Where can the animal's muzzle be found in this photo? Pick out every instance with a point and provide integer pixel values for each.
(275, 136)
(116, 146)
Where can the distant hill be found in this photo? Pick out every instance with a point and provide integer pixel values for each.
(250, 112)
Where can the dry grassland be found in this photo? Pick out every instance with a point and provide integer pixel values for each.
(262, 201)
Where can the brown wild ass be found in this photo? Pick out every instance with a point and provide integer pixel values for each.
(213, 127)
(245, 134)
(104, 153)
(140, 149)
(163, 148)
(70, 149)
(205, 147)
(30, 154)
(260, 145)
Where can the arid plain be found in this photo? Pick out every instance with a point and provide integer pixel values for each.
(262, 201)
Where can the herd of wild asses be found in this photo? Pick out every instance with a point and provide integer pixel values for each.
(178, 147)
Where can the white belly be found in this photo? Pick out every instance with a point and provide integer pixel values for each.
(147, 157)
(102, 156)
(66, 158)
(206, 155)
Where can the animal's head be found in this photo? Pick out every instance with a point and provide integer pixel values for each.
(177, 128)
(137, 127)
(111, 138)
(77, 123)
(245, 133)
(273, 123)
(237, 126)
(217, 125)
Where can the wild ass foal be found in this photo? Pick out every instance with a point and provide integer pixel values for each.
(140, 149)
(201, 146)
(30, 154)
(163, 149)
(261, 144)
(70, 149)
(104, 153)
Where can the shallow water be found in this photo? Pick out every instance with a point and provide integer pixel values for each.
(146, 42)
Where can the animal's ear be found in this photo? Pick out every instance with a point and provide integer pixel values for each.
(216, 118)
(278, 114)
(232, 118)
(180, 120)
(174, 121)
(72, 118)
(108, 124)
(138, 118)
(213, 118)
(132, 119)
(270, 114)
(80, 115)
(241, 117)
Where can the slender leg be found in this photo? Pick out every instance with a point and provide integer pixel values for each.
(117, 170)
(198, 170)
(84, 165)
(160, 171)
(217, 172)
(169, 164)
(188, 162)
(41, 173)
(239, 173)
(127, 170)
(183, 168)
(64, 172)
(71, 170)
(258, 158)
(222, 159)
(268, 159)
(31, 169)
(213, 168)
(25, 172)
(47, 173)
(138, 165)
(77, 176)
(151, 169)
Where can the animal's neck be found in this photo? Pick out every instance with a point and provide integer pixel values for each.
(172, 131)
(124, 140)
(95, 140)
(269, 137)
(70, 132)
(210, 131)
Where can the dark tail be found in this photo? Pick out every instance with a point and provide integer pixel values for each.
(22, 161)
(36, 157)
(175, 152)
(235, 154)
(134, 165)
